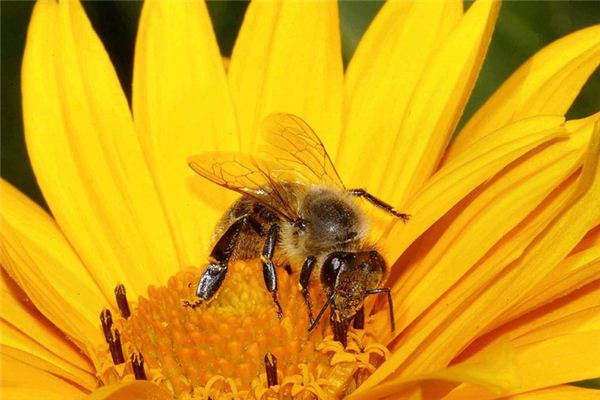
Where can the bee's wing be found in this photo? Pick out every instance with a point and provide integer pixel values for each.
(292, 144)
(251, 176)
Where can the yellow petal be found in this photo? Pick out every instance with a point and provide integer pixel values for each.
(583, 321)
(547, 363)
(579, 213)
(28, 336)
(142, 390)
(493, 369)
(181, 107)
(436, 105)
(452, 305)
(565, 392)
(20, 381)
(592, 238)
(456, 180)
(385, 69)
(287, 58)
(570, 274)
(86, 156)
(455, 317)
(552, 353)
(562, 392)
(498, 208)
(37, 256)
(579, 311)
(546, 84)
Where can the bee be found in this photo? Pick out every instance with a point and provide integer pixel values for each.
(294, 208)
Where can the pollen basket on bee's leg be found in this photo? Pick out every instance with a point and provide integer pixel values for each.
(219, 347)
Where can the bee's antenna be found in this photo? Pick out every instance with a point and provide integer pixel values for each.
(323, 309)
(390, 303)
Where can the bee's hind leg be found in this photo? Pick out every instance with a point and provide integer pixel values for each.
(269, 273)
(214, 274)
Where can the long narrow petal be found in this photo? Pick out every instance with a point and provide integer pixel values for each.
(389, 63)
(579, 214)
(440, 316)
(563, 392)
(496, 368)
(577, 311)
(559, 360)
(85, 154)
(485, 219)
(461, 312)
(591, 239)
(181, 107)
(287, 58)
(456, 180)
(436, 104)
(37, 256)
(27, 335)
(573, 272)
(493, 369)
(545, 363)
(21, 381)
(142, 390)
(546, 84)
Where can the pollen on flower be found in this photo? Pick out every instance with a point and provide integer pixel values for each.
(234, 346)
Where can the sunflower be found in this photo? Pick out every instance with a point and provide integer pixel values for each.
(495, 279)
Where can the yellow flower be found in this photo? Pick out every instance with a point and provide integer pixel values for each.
(495, 279)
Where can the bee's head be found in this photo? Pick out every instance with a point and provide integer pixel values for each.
(350, 276)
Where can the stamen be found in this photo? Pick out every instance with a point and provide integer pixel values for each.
(114, 345)
(122, 302)
(118, 347)
(271, 369)
(106, 320)
(137, 363)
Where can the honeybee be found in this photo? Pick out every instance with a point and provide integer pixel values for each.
(295, 208)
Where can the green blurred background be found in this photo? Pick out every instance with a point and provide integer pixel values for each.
(523, 27)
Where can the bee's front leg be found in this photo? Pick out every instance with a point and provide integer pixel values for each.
(269, 273)
(305, 273)
(377, 202)
(339, 327)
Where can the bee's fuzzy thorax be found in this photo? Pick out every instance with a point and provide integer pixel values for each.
(296, 245)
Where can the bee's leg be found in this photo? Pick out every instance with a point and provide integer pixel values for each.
(215, 272)
(305, 273)
(390, 303)
(269, 273)
(379, 203)
(339, 328)
(359, 319)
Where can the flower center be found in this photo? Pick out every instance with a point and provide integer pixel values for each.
(234, 345)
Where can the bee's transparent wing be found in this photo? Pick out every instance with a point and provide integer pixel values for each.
(251, 176)
(292, 145)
